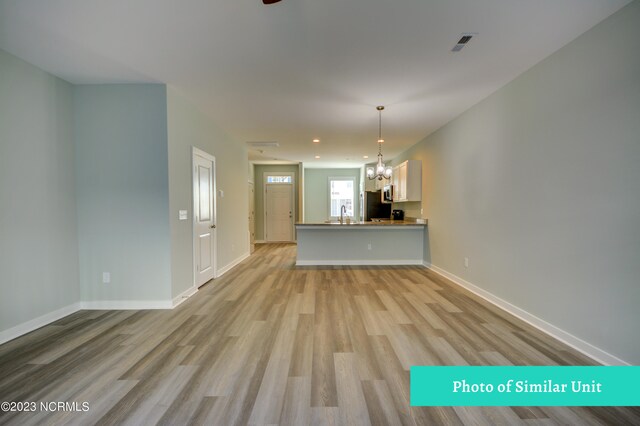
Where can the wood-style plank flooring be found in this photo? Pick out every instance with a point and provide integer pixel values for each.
(271, 343)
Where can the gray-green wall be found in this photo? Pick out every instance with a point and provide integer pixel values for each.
(92, 178)
(539, 186)
(259, 170)
(187, 127)
(122, 191)
(38, 239)
(316, 188)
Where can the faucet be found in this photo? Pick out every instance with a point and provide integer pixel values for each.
(343, 210)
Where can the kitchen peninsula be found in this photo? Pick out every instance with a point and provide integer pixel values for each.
(361, 243)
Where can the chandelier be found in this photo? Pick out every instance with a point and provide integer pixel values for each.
(380, 171)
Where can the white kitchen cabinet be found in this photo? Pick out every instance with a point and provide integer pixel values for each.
(395, 180)
(407, 181)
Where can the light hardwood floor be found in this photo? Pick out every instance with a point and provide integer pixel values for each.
(271, 343)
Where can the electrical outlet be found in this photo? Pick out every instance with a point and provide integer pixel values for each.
(368, 246)
(466, 262)
(106, 277)
(421, 212)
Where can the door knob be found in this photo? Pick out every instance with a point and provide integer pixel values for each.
(212, 226)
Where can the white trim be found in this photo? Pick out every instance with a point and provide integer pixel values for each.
(125, 305)
(184, 296)
(46, 319)
(578, 344)
(355, 200)
(251, 185)
(365, 262)
(301, 191)
(34, 324)
(233, 263)
(260, 241)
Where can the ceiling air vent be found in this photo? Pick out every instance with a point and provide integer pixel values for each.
(263, 144)
(464, 39)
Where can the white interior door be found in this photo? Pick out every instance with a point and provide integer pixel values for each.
(204, 216)
(252, 217)
(279, 212)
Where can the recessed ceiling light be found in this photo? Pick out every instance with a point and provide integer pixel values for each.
(317, 156)
(365, 156)
(316, 140)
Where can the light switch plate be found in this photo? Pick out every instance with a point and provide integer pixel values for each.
(182, 215)
(221, 193)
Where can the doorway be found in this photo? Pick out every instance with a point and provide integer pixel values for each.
(252, 218)
(204, 216)
(278, 206)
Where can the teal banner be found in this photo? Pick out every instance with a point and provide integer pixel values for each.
(525, 386)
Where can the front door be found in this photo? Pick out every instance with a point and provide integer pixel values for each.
(204, 216)
(279, 212)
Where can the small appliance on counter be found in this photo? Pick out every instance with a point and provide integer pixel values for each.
(397, 215)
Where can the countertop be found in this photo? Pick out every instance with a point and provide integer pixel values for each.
(361, 223)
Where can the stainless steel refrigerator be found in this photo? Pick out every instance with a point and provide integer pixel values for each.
(372, 207)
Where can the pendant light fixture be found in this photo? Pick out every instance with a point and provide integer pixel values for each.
(380, 172)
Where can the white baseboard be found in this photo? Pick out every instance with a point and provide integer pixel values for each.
(125, 305)
(578, 344)
(233, 263)
(184, 296)
(259, 241)
(365, 262)
(116, 305)
(41, 321)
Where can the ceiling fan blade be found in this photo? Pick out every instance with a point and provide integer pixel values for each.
(270, 1)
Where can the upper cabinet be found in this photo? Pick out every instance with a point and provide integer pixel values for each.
(407, 181)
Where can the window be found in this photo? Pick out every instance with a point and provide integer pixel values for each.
(342, 193)
(279, 179)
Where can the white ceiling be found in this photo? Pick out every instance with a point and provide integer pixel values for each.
(303, 69)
